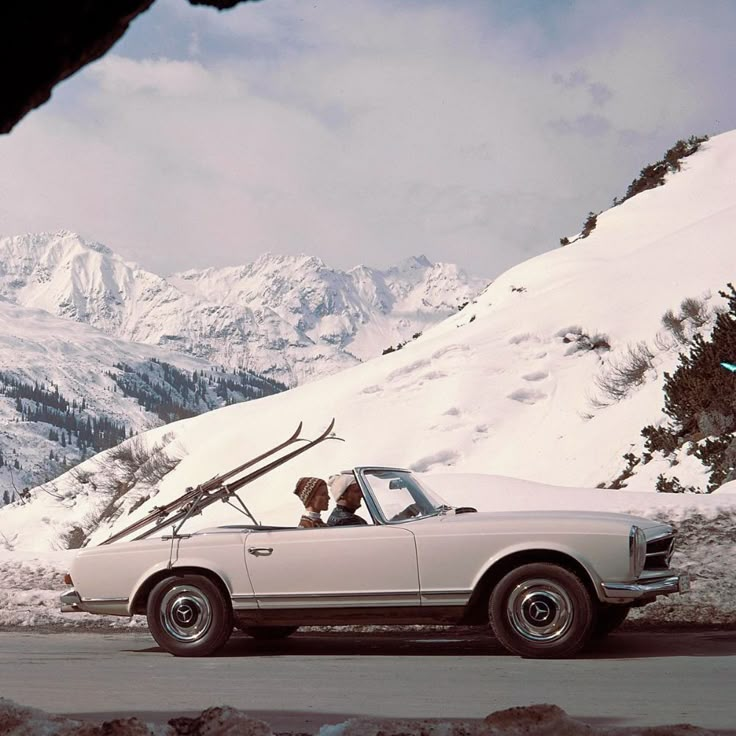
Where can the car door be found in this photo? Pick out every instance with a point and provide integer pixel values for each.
(353, 566)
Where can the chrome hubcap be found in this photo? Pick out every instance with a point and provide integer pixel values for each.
(540, 610)
(185, 613)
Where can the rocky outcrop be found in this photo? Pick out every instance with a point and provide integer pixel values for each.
(533, 720)
(46, 41)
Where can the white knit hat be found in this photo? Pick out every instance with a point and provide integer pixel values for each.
(338, 484)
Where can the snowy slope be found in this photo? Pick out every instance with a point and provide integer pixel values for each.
(497, 388)
(290, 317)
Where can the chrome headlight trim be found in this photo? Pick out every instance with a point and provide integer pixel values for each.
(637, 550)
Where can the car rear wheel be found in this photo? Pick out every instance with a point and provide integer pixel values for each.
(541, 610)
(269, 632)
(608, 618)
(189, 616)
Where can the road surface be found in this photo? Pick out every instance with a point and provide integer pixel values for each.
(632, 678)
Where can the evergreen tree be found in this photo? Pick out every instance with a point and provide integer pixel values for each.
(700, 399)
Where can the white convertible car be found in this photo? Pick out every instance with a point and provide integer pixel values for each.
(547, 582)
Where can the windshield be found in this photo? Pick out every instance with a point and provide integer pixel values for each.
(401, 496)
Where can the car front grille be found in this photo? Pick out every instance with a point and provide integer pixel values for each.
(659, 552)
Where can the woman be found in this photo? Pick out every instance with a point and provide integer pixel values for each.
(313, 494)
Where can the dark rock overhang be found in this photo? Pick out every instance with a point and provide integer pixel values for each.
(42, 42)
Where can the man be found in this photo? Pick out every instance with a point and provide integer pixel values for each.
(312, 493)
(346, 492)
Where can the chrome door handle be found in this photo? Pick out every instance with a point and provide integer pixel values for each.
(260, 551)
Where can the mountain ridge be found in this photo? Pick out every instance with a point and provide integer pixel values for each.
(289, 317)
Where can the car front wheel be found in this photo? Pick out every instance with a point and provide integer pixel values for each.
(541, 610)
(189, 616)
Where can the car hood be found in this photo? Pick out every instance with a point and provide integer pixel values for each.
(650, 526)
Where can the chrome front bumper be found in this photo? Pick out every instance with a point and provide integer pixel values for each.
(643, 588)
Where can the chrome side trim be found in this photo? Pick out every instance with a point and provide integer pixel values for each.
(445, 597)
(351, 615)
(679, 583)
(243, 602)
(330, 600)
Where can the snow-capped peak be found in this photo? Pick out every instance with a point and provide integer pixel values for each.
(291, 317)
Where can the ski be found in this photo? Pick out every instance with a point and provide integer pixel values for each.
(160, 512)
(218, 480)
(224, 492)
(238, 484)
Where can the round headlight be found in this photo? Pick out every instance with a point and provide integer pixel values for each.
(637, 550)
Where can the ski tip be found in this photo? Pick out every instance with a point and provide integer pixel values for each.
(729, 367)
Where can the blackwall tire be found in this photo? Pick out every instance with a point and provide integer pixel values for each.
(269, 633)
(608, 618)
(542, 610)
(189, 616)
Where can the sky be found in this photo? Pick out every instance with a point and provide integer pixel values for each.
(477, 132)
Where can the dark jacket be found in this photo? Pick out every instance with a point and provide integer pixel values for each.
(340, 516)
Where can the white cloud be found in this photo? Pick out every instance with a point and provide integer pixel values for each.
(367, 131)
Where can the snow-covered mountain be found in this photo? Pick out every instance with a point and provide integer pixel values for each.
(508, 386)
(288, 317)
(68, 390)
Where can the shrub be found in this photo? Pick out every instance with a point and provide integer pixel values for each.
(114, 475)
(631, 462)
(674, 325)
(147, 464)
(589, 224)
(672, 485)
(720, 455)
(651, 176)
(630, 371)
(74, 538)
(695, 311)
(579, 340)
(661, 439)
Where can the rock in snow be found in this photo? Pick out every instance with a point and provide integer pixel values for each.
(533, 720)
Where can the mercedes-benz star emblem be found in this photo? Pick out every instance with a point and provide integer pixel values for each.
(538, 611)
